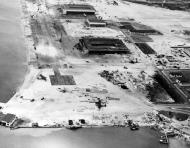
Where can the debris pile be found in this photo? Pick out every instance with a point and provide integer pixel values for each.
(164, 124)
(115, 77)
(127, 80)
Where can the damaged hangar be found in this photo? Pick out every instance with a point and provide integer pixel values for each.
(97, 45)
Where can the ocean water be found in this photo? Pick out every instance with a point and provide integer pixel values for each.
(85, 138)
(12, 49)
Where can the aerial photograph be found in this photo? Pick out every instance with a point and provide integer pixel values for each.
(94, 73)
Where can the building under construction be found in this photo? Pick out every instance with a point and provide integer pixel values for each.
(176, 83)
(78, 9)
(95, 45)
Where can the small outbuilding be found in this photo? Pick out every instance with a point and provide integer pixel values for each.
(94, 22)
(8, 120)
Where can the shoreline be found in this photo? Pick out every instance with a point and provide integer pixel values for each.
(179, 134)
(104, 134)
(32, 72)
(25, 63)
(28, 69)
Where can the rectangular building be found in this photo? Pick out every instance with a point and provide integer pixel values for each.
(145, 48)
(78, 9)
(95, 45)
(134, 27)
(58, 79)
(176, 82)
(8, 120)
(94, 22)
(140, 38)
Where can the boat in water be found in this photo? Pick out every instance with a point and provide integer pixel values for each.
(74, 127)
(134, 126)
(164, 139)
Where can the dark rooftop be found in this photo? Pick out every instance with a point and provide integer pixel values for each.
(138, 28)
(95, 20)
(176, 82)
(104, 45)
(145, 48)
(8, 118)
(181, 76)
(78, 7)
(1, 116)
(58, 79)
(72, 9)
(78, 10)
(140, 38)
